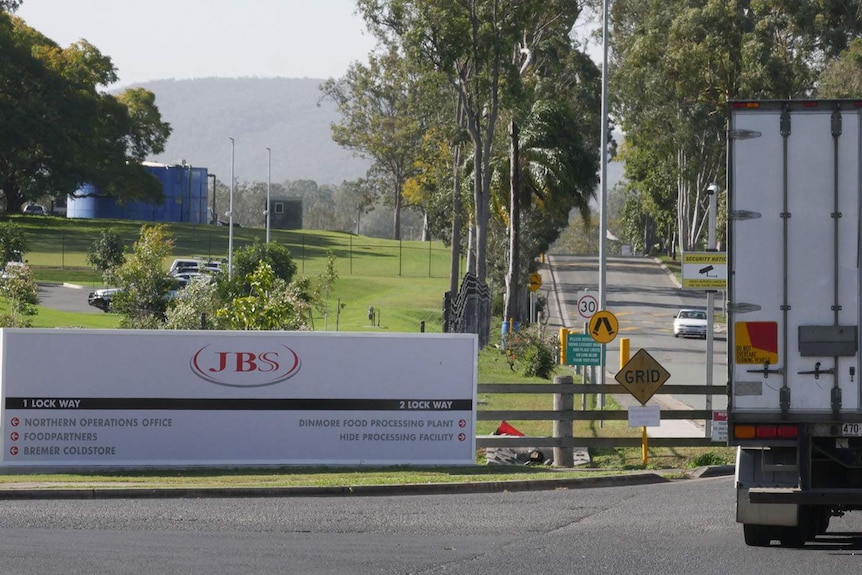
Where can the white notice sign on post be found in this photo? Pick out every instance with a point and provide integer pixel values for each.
(644, 416)
(719, 426)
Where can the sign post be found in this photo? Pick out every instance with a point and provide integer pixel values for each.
(603, 327)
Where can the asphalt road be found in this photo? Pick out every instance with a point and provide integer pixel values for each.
(644, 297)
(66, 297)
(669, 528)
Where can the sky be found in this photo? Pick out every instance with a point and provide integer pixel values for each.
(181, 39)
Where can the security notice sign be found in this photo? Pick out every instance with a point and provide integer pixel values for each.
(162, 398)
(704, 270)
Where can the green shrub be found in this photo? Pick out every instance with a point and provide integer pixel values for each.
(711, 458)
(530, 353)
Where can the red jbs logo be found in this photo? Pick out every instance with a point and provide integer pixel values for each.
(256, 368)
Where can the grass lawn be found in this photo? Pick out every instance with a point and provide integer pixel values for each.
(404, 281)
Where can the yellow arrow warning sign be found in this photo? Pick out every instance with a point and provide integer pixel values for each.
(604, 326)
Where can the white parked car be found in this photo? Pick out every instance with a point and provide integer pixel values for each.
(690, 322)
(184, 266)
(34, 210)
(101, 298)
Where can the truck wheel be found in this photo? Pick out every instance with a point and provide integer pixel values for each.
(823, 521)
(793, 536)
(757, 535)
(818, 520)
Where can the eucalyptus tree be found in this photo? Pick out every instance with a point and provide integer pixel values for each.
(676, 66)
(380, 119)
(677, 63)
(842, 77)
(470, 43)
(353, 200)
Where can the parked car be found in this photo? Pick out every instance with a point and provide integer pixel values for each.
(181, 265)
(212, 267)
(690, 322)
(189, 277)
(193, 266)
(13, 267)
(101, 298)
(34, 210)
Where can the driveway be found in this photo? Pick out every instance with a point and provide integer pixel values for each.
(66, 297)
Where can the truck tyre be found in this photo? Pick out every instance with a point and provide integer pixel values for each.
(823, 522)
(757, 535)
(793, 536)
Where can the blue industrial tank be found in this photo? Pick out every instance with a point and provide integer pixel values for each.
(185, 198)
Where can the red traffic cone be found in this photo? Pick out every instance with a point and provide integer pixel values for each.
(506, 429)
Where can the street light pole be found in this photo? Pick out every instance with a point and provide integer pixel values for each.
(603, 201)
(214, 212)
(230, 216)
(268, 186)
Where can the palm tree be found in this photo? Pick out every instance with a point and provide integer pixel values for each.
(555, 174)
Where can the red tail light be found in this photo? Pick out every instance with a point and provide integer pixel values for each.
(776, 432)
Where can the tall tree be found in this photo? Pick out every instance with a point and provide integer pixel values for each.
(552, 70)
(677, 63)
(380, 120)
(58, 131)
(353, 200)
(842, 77)
(470, 43)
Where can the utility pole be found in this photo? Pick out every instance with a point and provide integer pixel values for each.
(230, 216)
(215, 212)
(712, 190)
(268, 186)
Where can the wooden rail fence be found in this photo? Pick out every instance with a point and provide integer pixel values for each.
(563, 415)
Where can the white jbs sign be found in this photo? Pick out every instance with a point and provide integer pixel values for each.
(160, 398)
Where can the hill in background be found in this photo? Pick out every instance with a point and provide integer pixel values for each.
(284, 114)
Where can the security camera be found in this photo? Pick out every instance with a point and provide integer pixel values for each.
(712, 189)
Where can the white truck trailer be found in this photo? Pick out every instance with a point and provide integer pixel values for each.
(794, 408)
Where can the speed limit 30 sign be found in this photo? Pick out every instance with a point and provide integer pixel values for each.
(587, 306)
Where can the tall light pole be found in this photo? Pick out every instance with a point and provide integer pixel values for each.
(230, 216)
(603, 202)
(214, 212)
(268, 186)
